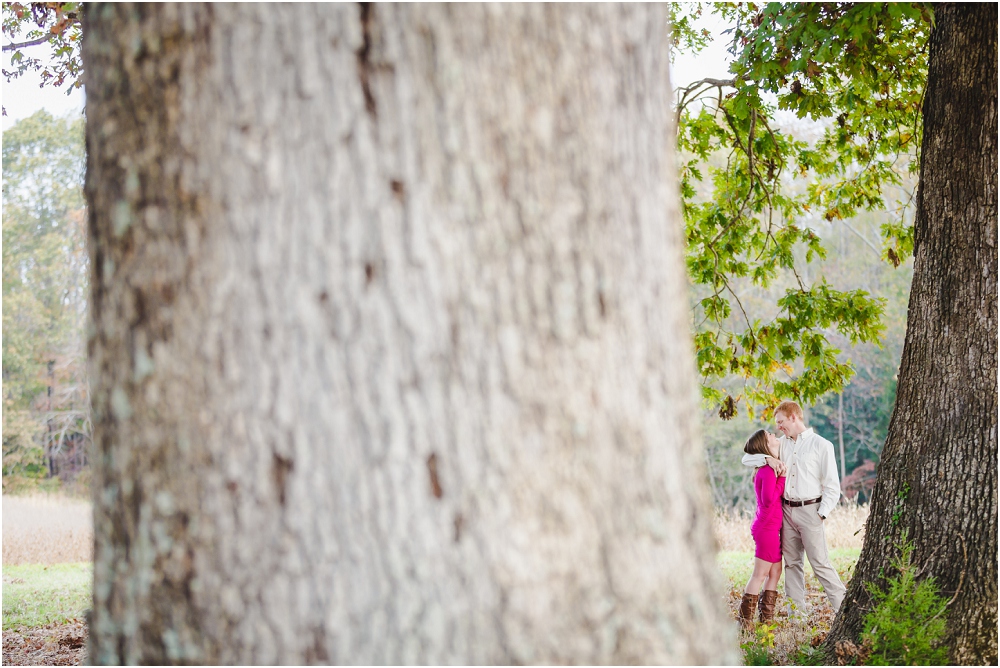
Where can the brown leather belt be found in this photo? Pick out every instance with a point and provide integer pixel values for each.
(799, 504)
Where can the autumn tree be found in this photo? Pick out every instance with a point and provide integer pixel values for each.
(390, 347)
(45, 269)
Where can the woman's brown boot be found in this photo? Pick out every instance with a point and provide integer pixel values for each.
(768, 601)
(747, 607)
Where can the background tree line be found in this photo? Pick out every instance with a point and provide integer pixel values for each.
(46, 406)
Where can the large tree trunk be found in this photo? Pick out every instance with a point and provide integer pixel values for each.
(390, 347)
(938, 476)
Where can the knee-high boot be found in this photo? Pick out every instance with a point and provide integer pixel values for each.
(768, 601)
(748, 606)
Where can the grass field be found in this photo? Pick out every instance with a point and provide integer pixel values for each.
(36, 594)
(47, 552)
(39, 594)
(737, 566)
(39, 591)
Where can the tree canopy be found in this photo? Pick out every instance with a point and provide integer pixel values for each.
(752, 190)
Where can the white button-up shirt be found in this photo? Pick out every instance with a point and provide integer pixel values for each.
(812, 469)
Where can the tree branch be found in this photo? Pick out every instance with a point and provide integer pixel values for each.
(710, 82)
(31, 42)
(687, 90)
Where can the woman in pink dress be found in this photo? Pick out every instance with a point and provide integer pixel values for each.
(766, 532)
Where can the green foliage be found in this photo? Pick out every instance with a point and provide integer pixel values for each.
(868, 398)
(754, 654)
(44, 257)
(684, 35)
(35, 595)
(900, 506)
(55, 24)
(862, 64)
(807, 655)
(906, 627)
(757, 650)
(868, 404)
(754, 194)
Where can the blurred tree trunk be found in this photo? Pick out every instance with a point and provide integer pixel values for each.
(937, 479)
(390, 345)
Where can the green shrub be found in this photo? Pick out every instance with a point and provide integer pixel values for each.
(807, 655)
(907, 624)
(755, 655)
(757, 650)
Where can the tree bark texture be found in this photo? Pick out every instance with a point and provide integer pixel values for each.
(938, 476)
(390, 349)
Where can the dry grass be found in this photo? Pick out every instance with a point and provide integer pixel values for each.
(845, 528)
(46, 529)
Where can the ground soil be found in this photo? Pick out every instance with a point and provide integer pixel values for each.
(51, 645)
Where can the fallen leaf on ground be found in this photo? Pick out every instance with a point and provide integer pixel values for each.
(57, 644)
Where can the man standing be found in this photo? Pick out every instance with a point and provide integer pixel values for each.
(812, 489)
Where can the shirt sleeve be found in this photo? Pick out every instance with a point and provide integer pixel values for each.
(771, 487)
(754, 461)
(828, 479)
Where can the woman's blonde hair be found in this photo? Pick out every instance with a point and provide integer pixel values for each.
(757, 444)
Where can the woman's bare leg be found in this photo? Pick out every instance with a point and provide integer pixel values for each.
(773, 576)
(761, 570)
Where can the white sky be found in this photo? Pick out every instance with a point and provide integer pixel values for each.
(712, 62)
(22, 97)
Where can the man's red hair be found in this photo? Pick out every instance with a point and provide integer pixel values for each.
(789, 408)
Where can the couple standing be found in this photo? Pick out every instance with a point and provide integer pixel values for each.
(797, 486)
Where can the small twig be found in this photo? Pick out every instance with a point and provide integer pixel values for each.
(929, 557)
(862, 237)
(742, 310)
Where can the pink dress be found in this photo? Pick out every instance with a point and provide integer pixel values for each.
(766, 527)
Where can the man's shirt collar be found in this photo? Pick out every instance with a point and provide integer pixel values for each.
(808, 432)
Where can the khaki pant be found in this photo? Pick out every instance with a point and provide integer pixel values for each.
(803, 531)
